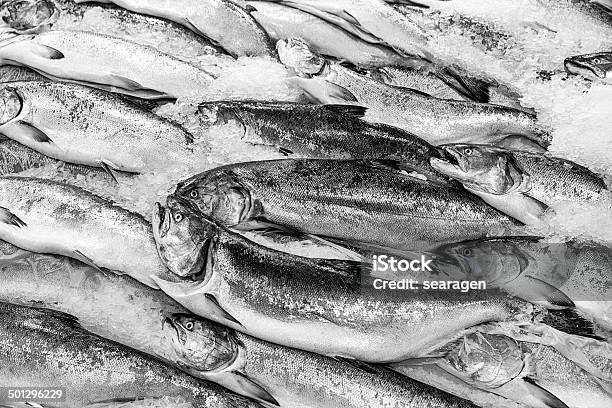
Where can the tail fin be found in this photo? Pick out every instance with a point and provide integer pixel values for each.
(570, 321)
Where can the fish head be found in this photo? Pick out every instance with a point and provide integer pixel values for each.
(496, 261)
(10, 104)
(485, 359)
(296, 54)
(218, 195)
(480, 167)
(181, 236)
(201, 346)
(29, 16)
(591, 66)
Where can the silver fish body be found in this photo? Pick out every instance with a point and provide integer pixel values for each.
(348, 200)
(10, 73)
(47, 349)
(110, 20)
(81, 125)
(323, 306)
(283, 22)
(324, 131)
(50, 217)
(106, 62)
(597, 66)
(435, 120)
(225, 23)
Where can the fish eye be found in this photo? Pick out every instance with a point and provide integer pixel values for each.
(194, 194)
(467, 252)
(596, 61)
(468, 151)
(189, 326)
(178, 217)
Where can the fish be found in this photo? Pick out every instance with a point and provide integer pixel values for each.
(81, 125)
(226, 24)
(372, 20)
(319, 305)
(34, 16)
(139, 315)
(516, 370)
(51, 217)
(46, 348)
(596, 13)
(323, 131)
(281, 23)
(437, 121)
(530, 266)
(10, 73)
(105, 62)
(597, 66)
(520, 184)
(350, 200)
(299, 379)
(605, 4)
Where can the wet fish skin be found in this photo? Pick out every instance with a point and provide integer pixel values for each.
(324, 131)
(210, 18)
(515, 182)
(28, 16)
(435, 120)
(34, 341)
(50, 217)
(282, 23)
(322, 382)
(120, 66)
(597, 66)
(324, 306)
(115, 21)
(81, 125)
(348, 200)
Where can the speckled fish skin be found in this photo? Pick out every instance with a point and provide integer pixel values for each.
(324, 131)
(548, 179)
(70, 221)
(349, 200)
(12, 74)
(325, 306)
(599, 16)
(120, 23)
(227, 24)
(45, 349)
(106, 62)
(322, 382)
(283, 22)
(375, 18)
(437, 121)
(94, 128)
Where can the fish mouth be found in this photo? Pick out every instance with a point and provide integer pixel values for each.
(29, 16)
(451, 164)
(160, 219)
(180, 335)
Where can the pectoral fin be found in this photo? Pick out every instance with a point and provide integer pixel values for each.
(86, 260)
(407, 3)
(543, 395)
(109, 168)
(44, 51)
(368, 368)
(7, 217)
(218, 311)
(21, 130)
(535, 290)
(251, 389)
(322, 91)
(526, 209)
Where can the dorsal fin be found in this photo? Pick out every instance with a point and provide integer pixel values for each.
(349, 110)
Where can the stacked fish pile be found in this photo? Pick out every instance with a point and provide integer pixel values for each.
(192, 193)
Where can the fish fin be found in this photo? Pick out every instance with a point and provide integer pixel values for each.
(473, 88)
(537, 27)
(44, 51)
(125, 83)
(407, 3)
(520, 142)
(250, 388)
(322, 91)
(107, 166)
(348, 110)
(363, 366)
(415, 362)
(115, 403)
(249, 8)
(535, 290)
(218, 310)
(22, 129)
(351, 255)
(570, 321)
(519, 206)
(546, 397)
(604, 6)
(285, 151)
(7, 217)
(86, 260)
